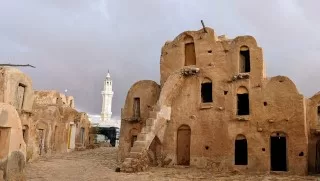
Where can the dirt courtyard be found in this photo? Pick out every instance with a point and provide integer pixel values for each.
(100, 164)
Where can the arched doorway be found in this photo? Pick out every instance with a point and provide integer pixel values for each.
(241, 150)
(183, 145)
(278, 152)
(317, 164)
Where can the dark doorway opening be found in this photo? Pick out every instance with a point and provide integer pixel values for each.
(318, 112)
(133, 139)
(278, 151)
(317, 164)
(241, 151)
(244, 59)
(206, 92)
(190, 54)
(243, 104)
(183, 145)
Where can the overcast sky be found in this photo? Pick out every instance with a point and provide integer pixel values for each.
(73, 43)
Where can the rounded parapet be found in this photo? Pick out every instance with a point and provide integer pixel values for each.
(141, 98)
(282, 82)
(246, 40)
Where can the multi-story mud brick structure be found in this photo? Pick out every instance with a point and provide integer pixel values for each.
(216, 108)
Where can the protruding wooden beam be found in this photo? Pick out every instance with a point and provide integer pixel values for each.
(17, 65)
(204, 27)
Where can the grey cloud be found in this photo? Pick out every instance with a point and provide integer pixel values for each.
(73, 43)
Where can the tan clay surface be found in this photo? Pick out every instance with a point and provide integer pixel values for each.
(100, 163)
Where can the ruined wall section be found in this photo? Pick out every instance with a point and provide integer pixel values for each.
(47, 97)
(70, 101)
(148, 93)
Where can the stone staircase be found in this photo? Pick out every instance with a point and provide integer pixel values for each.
(138, 160)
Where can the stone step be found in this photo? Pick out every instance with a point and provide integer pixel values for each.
(156, 108)
(127, 161)
(134, 155)
(153, 114)
(146, 129)
(142, 137)
(137, 149)
(139, 143)
(149, 121)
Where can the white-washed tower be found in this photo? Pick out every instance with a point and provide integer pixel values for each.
(107, 95)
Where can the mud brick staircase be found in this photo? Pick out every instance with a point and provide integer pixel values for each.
(156, 124)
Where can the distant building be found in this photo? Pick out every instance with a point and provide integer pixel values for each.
(104, 121)
(107, 95)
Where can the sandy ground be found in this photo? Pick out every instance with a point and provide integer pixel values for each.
(99, 164)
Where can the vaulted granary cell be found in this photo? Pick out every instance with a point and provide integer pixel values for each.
(242, 101)
(244, 59)
(206, 91)
(241, 150)
(189, 51)
(183, 145)
(136, 107)
(278, 152)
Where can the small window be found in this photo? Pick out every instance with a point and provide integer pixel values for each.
(136, 107)
(242, 101)
(244, 59)
(206, 91)
(70, 103)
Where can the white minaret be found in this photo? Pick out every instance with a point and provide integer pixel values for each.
(107, 94)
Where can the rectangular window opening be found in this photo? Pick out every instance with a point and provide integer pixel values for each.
(136, 107)
(243, 104)
(206, 92)
(244, 61)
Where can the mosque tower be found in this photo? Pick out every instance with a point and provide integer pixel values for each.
(107, 95)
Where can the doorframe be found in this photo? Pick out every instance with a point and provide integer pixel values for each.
(177, 141)
(279, 134)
